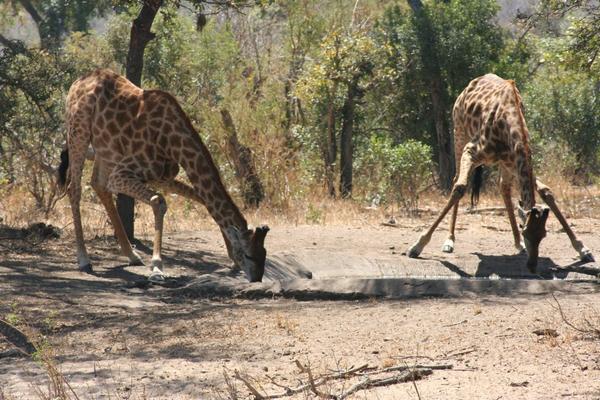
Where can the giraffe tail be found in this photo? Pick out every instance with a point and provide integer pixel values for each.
(62, 179)
(476, 185)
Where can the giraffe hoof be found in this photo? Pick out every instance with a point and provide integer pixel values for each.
(413, 252)
(587, 257)
(86, 269)
(448, 246)
(156, 277)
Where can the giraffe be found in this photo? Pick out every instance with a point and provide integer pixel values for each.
(140, 139)
(489, 128)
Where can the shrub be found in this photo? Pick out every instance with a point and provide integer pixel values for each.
(397, 172)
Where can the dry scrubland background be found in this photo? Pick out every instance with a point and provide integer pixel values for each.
(334, 99)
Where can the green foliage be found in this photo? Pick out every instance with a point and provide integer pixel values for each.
(563, 107)
(582, 19)
(87, 52)
(32, 90)
(468, 43)
(314, 215)
(396, 172)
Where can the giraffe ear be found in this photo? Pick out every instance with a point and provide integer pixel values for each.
(545, 213)
(522, 213)
(260, 233)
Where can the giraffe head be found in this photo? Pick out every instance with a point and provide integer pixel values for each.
(248, 251)
(533, 230)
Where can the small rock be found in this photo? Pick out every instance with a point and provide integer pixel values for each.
(519, 384)
(546, 332)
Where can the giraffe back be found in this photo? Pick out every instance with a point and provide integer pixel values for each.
(489, 114)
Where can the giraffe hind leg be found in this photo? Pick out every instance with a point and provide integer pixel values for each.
(99, 185)
(78, 139)
(506, 189)
(126, 181)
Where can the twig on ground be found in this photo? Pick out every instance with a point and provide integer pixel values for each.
(12, 353)
(230, 386)
(313, 386)
(460, 353)
(319, 381)
(591, 330)
(246, 382)
(483, 210)
(407, 367)
(456, 323)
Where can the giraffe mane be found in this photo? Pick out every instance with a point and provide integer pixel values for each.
(205, 153)
(524, 138)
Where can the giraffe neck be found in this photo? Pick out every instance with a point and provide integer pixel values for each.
(526, 180)
(523, 156)
(206, 180)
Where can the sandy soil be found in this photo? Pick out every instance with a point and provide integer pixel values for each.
(112, 340)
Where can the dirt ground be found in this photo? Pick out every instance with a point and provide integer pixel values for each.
(114, 337)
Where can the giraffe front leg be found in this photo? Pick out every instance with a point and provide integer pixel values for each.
(448, 246)
(159, 206)
(458, 191)
(546, 194)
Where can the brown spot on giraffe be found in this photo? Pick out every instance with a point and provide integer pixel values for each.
(500, 137)
(132, 159)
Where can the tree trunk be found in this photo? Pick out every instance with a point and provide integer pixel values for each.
(432, 71)
(140, 36)
(346, 145)
(331, 151)
(252, 188)
(444, 139)
(46, 40)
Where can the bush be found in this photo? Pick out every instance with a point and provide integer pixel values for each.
(563, 109)
(397, 172)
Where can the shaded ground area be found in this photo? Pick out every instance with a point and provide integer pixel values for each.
(477, 309)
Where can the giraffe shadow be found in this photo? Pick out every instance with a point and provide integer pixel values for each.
(514, 267)
(118, 272)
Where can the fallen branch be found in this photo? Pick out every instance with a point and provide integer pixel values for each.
(367, 383)
(408, 368)
(404, 374)
(17, 338)
(321, 380)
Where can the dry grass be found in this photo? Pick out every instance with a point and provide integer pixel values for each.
(17, 209)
